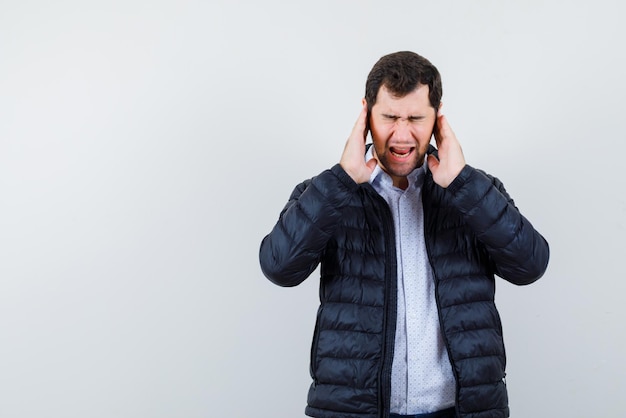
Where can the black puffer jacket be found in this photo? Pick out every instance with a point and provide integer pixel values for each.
(472, 231)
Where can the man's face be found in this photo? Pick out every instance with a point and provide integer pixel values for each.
(401, 129)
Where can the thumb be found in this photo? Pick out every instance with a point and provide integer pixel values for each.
(371, 164)
(433, 163)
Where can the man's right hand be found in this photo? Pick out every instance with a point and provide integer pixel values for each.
(353, 158)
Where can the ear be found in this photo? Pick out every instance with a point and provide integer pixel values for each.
(363, 101)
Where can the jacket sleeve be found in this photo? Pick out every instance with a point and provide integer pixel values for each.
(293, 249)
(518, 252)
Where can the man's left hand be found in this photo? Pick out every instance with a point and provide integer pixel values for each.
(451, 160)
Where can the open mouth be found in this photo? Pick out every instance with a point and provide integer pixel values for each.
(401, 152)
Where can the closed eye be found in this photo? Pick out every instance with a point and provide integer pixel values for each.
(393, 118)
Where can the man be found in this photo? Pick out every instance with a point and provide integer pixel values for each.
(409, 239)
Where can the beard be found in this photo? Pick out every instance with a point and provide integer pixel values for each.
(391, 165)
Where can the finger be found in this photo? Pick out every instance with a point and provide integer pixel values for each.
(443, 123)
(446, 129)
(437, 130)
(443, 129)
(360, 126)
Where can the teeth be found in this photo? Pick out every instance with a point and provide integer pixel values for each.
(397, 154)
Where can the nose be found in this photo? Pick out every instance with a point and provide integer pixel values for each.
(402, 129)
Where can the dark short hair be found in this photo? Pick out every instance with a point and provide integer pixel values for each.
(401, 73)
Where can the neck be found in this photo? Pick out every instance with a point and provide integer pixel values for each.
(400, 182)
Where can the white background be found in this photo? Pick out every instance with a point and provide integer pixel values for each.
(146, 147)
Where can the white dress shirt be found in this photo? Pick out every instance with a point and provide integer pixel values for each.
(421, 376)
